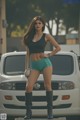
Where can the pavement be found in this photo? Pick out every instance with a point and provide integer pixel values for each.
(61, 118)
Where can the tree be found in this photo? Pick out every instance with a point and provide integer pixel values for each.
(20, 13)
(71, 16)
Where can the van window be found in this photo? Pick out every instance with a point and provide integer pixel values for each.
(14, 65)
(79, 61)
(62, 64)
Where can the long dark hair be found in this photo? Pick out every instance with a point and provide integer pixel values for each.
(31, 30)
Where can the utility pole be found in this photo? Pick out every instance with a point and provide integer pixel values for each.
(79, 32)
(3, 25)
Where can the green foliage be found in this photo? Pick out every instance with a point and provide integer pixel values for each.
(20, 12)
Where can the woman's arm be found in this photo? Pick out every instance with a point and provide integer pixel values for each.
(27, 63)
(27, 58)
(54, 43)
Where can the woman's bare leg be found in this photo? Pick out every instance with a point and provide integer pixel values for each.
(28, 94)
(47, 74)
(32, 79)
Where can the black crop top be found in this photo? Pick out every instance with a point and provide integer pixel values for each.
(37, 47)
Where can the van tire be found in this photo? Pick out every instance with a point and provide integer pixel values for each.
(73, 118)
(10, 118)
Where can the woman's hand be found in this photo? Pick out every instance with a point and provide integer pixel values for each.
(27, 72)
(44, 55)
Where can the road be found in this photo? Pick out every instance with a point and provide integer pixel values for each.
(61, 118)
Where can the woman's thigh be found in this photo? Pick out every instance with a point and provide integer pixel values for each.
(32, 79)
(47, 74)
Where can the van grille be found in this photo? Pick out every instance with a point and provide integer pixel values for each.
(21, 85)
(35, 98)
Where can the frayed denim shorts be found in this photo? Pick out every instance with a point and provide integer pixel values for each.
(41, 64)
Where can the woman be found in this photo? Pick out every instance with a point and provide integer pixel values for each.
(35, 41)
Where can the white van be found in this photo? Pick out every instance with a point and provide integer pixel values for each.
(65, 85)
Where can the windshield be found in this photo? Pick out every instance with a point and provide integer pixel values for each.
(62, 64)
(14, 65)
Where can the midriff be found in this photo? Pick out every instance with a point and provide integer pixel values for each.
(36, 56)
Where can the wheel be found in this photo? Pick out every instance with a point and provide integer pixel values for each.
(73, 118)
(10, 118)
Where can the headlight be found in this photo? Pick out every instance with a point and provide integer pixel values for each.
(7, 86)
(66, 85)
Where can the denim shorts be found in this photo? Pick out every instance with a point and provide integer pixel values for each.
(41, 64)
